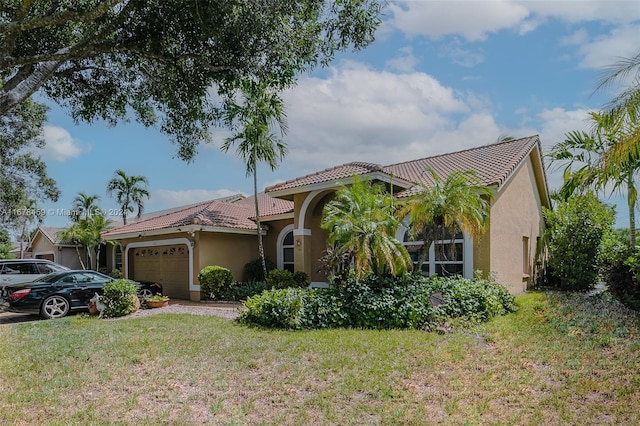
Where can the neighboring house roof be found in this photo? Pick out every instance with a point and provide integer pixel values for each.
(236, 213)
(50, 233)
(16, 245)
(492, 163)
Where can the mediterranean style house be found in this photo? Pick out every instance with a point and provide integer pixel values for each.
(172, 247)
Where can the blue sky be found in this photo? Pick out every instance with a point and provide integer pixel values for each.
(441, 76)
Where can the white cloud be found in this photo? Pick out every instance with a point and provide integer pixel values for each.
(475, 20)
(472, 20)
(555, 124)
(404, 61)
(60, 146)
(621, 42)
(460, 55)
(573, 11)
(360, 114)
(164, 198)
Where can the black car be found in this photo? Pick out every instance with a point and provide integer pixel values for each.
(57, 294)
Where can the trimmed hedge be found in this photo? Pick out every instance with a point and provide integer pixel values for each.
(379, 303)
(120, 298)
(214, 280)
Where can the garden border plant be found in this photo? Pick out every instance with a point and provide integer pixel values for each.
(380, 303)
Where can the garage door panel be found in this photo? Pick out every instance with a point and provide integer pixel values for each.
(168, 265)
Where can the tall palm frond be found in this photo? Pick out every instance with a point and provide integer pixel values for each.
(261, 109)
(130, 192)
(447, 206)
(361, 226)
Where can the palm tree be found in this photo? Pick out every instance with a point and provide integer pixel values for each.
(252, 120)
(87, 232)
(625, 107)
(84, 206)
(621, 71)
(93, 227)
(75, 235)
(362, 227)
(130, 191)
(592, 154)
(440, 210)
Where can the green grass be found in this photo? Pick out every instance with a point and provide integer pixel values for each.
(561, 359)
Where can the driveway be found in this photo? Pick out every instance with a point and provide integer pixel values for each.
(12, 318)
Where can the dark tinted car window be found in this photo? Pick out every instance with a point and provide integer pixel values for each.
(44, 268)
(19, 268)
(71, 278)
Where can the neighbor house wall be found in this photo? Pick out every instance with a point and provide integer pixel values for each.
(63, 255)
(516, 224)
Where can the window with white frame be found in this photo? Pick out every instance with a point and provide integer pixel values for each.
(444, 257)
(286, 246)
(287, 252)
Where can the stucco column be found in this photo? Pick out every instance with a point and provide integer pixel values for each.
(302, 255)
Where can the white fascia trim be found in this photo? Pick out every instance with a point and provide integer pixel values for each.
(185, 241)
(302, 214)
(273, 217)
(332, 184)
(179, 230)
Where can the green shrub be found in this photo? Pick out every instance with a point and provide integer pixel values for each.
(575, 230)
(119, 298)
(280, 308)
(380, 303)
(115, 273)
(253, 270)
(242, 291)
(474, 300)
(214, 280)
(301, 278)
(281, 278)
(323, 309)
(618, 266)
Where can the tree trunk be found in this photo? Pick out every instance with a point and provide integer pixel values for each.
(631, 200)
(79, 257)
(255, 196)
(27, 86)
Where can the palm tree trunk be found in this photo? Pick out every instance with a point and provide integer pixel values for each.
(631, 199)
(255, 198)
(79, 257)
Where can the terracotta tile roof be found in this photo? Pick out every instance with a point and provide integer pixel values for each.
(338, 172)
(493, 164)
(235, 214)
(268, 206)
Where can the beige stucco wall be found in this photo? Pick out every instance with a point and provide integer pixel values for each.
(231, 251)
(310, 248)
(516, 214)
(270, 241)
(65, 256)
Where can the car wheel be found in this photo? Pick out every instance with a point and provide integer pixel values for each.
(145, 292)
(54, 307)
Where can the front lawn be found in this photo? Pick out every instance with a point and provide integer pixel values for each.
(561, 359)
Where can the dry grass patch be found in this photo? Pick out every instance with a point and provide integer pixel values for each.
(560, 359)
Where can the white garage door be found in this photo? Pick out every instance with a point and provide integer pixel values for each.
(168, 265)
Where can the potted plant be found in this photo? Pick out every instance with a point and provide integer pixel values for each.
(156, 301)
